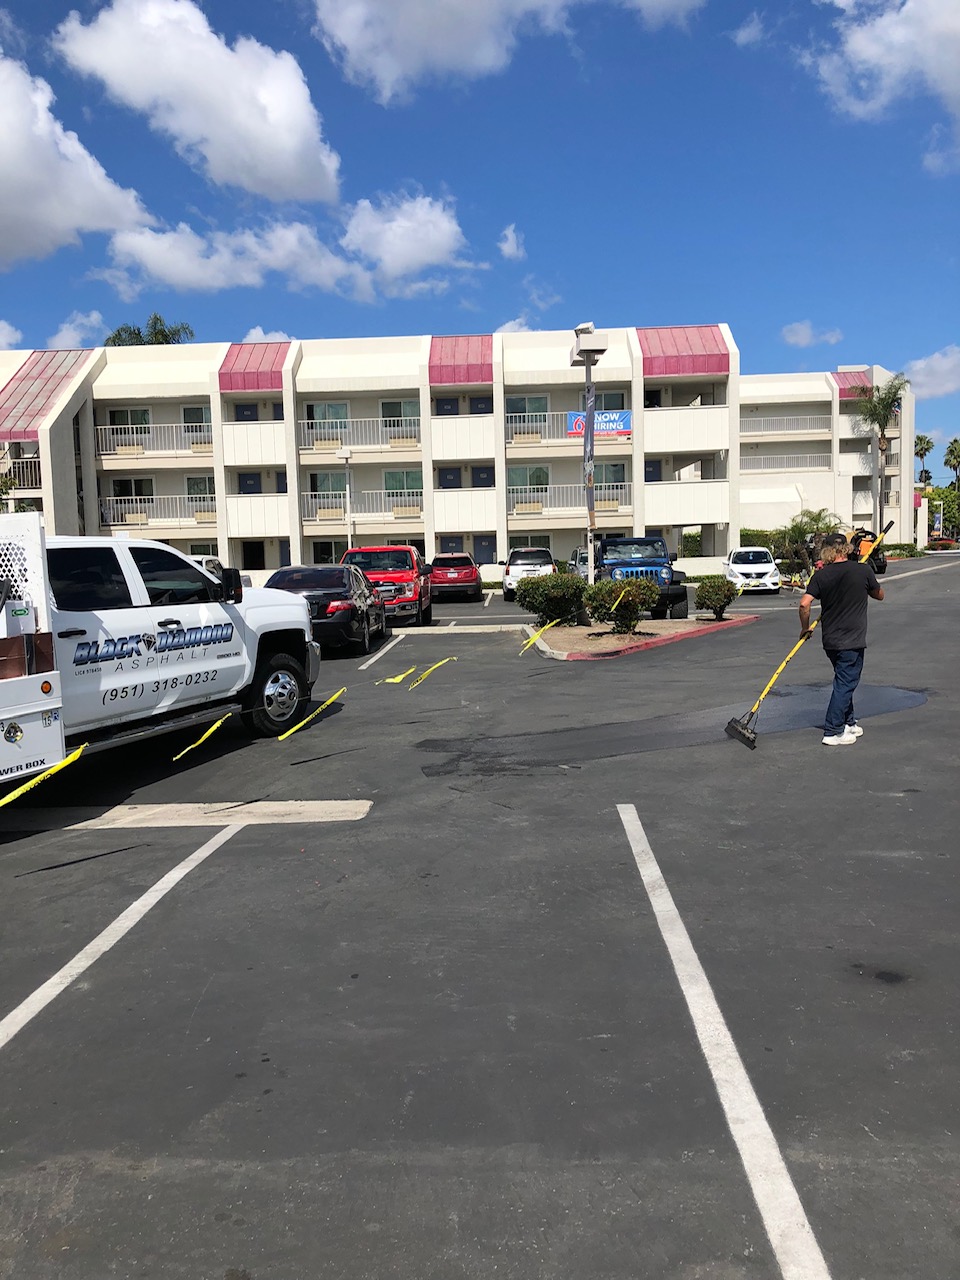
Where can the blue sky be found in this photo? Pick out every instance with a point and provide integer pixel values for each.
(320, 168)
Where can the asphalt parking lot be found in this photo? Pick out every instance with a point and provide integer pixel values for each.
(577, 988)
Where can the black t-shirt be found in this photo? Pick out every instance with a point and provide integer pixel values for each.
(842, 589)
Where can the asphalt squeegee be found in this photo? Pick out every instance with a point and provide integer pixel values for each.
(745, 730)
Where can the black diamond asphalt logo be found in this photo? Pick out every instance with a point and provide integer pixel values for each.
(149, 642)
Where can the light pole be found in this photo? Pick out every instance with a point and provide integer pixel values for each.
(587, 349)
(348, 511)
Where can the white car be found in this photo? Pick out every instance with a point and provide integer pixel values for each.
(525, 562)
(753, 569)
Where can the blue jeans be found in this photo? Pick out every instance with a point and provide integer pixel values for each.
(847, 669)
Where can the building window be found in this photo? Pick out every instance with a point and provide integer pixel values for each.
(529, 540)
(391, 410)
(526, 410)
(403, 481)
(196, 417)
(609, 473)
(133, 487)
(528, 478)
(447, 406)
(327, 411)
(481, 404)
(203, 548)
(329, 551)
(652, 398)
(328, 482)
(605, 400)
(136, 421)
(200, 487)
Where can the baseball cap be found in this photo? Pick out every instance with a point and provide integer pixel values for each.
(834, 540)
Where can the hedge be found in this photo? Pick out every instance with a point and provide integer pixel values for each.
(714, 593)
(556, 597)
(621, 603)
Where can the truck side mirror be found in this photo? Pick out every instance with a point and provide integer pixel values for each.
(232, 586)
(673, 556)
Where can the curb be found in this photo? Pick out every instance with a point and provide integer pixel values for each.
(542, 646)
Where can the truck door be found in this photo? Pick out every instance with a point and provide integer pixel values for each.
(101, 638)
(201, 648)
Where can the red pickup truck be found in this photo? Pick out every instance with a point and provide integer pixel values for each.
(402, 578)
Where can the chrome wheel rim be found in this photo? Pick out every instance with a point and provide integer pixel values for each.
(280, 696)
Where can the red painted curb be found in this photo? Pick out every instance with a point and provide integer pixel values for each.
(660, 640)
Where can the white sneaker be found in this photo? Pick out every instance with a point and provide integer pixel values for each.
(854, 729)
(844, 739)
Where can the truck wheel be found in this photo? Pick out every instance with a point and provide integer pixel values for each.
(658, 614)
(680, 610)
(278, 693)
(508, 595)
(426, 615)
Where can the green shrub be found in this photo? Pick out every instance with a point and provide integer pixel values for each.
(557, 597)
(692, 544)
(757, 538)
(905, 550)
(714, 593)
(635, 596)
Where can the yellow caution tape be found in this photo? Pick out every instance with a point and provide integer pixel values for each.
(213, 728)
(313, 715)
(420, 679)
(619, 598)
(35, 782)
(537, 634)
(397, 679)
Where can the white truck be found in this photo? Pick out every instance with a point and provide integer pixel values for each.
(105, 641)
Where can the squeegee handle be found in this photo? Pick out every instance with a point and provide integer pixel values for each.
(782, 667)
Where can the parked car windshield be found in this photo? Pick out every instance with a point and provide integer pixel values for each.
(307, 578)
(452, 562)
(751, 557)
(635, 551)
(531, 555)
(386, 561)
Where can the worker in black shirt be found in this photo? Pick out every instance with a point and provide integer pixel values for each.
(842, 586)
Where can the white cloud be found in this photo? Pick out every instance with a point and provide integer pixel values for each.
(256, 334)
(803, 334)
(936, 375)
(749, 32)
(510, 244)
(9, 335)
(393, 44)
(242, 114)
(53, 187)
(404, 235)
(76, 329)
(519, 325)
(891, 49)
(187, 261)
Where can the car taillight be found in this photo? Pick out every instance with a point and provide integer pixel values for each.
(338, 606)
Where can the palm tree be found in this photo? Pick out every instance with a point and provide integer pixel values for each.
(922, 445)
(792, 540)
(156, 332)
(878, 407)
(951, 459)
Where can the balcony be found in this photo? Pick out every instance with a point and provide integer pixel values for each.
(359, 433)
(550, 499)
(893, 461)
(786, 462)
(891, 498)
(536, 428)
(23, 472)
(406, 504)
(688, 429)
(686, 502)
(171, 438)
(323, 506)
(172, 509)
(257, 515)
(801, 425)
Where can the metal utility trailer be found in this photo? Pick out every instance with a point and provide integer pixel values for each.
(31, 723)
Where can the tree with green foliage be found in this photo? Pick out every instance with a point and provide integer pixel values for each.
(951, 509)
(156, 332)
(951, 459)
(791, 541)
(621, 603)
(715, 592)
(922, 445)
(877, 408)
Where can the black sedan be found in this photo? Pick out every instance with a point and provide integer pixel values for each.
(345, 606)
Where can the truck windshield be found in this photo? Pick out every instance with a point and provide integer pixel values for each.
(635, 551)
(391, 561)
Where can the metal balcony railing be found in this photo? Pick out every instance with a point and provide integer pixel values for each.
(24, 472)
(891, 498)
(164, 509)
(157, 437)
(359, 433)
(535, 499)
(787, 462)
(533, 428)
(893, 461)
(323, 506)
(399, 503)
(807, 425)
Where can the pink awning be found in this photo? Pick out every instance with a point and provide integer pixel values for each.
(683, 349)
(34, 389)
(850, 382)
(463, 360)
(254, 366)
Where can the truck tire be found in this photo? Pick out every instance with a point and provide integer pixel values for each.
(680, 610)
(426, 615)
(508, 595)
(277, 696)
(659, 613)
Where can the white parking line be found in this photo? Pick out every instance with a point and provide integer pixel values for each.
(486, 603)
(379, 654)
(28, 1009)
(781, 1211)
(913, 573)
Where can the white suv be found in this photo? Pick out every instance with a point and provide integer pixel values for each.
(525, 562)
